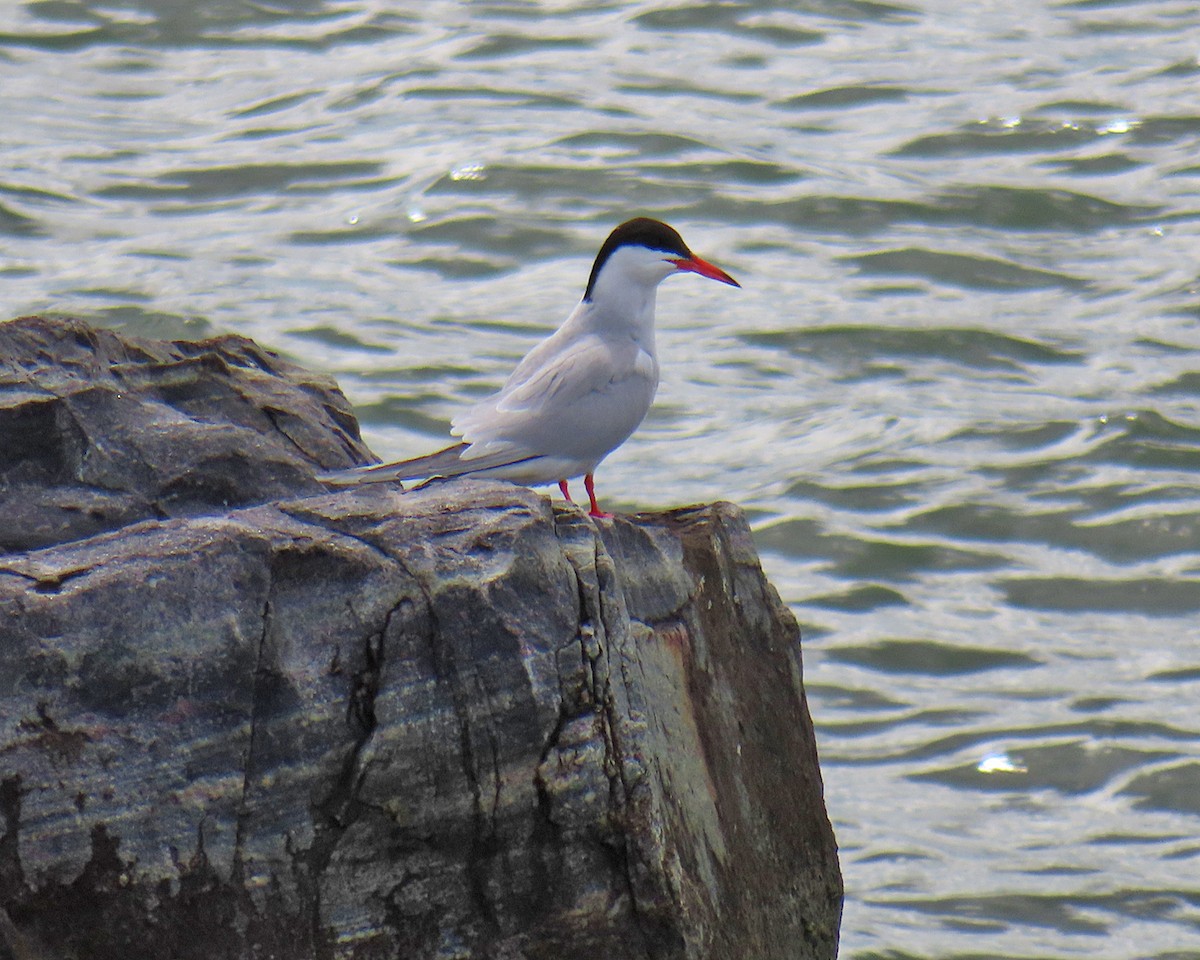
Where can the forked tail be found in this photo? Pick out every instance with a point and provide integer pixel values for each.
(448, 462)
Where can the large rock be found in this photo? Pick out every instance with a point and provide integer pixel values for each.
(451, 723)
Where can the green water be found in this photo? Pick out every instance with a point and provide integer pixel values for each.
(959, 393)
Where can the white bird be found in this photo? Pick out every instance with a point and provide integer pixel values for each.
(580, 393)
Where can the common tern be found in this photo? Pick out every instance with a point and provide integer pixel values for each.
(578, 394)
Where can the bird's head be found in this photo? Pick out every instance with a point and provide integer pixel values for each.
(645, 252)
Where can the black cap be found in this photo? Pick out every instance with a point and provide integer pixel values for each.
(639, 232)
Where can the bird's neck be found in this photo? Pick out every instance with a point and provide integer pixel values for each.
(622, 310)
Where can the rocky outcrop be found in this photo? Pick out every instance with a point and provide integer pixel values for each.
(98, 431)
(452, 723)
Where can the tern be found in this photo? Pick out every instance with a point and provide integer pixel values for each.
(580, 393)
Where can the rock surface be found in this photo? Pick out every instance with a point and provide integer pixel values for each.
(451, 723)
(98, 431)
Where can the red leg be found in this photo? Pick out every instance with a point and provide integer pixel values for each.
(590, 485)
(566, 492)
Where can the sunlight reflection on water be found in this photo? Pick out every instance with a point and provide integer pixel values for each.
(958, 394)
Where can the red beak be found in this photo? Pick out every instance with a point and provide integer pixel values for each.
(705, 269)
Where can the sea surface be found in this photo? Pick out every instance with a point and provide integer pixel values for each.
(959, 394)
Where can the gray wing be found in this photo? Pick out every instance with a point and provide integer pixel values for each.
(577, 400)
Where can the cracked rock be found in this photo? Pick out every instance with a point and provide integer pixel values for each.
(245, 717)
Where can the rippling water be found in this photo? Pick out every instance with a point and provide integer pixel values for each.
(959, 394)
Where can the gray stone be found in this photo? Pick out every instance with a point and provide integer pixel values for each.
(98, 431)
(457, 722)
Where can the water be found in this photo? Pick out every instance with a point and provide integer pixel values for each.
(959, 394)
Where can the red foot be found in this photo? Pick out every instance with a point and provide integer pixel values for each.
(566, 491)
(589, 484)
